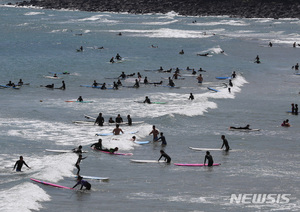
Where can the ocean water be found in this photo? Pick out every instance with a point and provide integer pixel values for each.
(36, 43)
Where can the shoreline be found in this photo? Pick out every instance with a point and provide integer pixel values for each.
(232, 8)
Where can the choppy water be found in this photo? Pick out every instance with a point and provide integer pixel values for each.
(35, 42)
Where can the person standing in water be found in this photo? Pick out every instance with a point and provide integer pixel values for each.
(162, 138)
(19, 164)
(99, 120)
(80, 158)
(225, 143)
(191, 96)
(165, 155)
(209, 159)
(117, 130)
(155, 133)
(82, 182)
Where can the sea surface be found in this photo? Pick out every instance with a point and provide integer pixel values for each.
(37, 43)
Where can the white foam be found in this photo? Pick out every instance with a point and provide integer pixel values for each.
(24, 197)
(230, 22)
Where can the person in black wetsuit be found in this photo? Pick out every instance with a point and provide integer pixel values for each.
(95, 84)
(118, 57)
(209, 159)
(115, 86)
(98, 145)
(137, 84)
(63, 87)
(111, 150)
(129, 120)
(233, 75)
(225, 143)
(112, 60)
(119, 83)
(82, 182)
(99, 120)
(165, 155)
(163, 139)
(296, 109)
(103, 87)
(111, 121)
(171, 83)
(19, 164)
(50, 86)
(119, 119)
(147, 100)
(80, 158)
(230, 83)
(20, 83)
(80, 99)
(191, 96)
(78, 150)
(123, 75)
(242, 128)
(146, 80)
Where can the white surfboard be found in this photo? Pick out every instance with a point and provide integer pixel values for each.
(148, 161)
(91, 177)
(62, 151)
(210, 149)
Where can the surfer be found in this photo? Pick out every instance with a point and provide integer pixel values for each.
(118, 57)
(95, 84)
(111, 150)
(80, 158)
(191, 96)
(63, 87)
(285, 123)
(19, 164)
(139, 76)
(209, 159)
(171, 83)
(137, 84)
(155, 133)
(201, 70)
(233, 75)
(9, 83)
(181, 52)
(117, 130)
(297, 67)
(146, 80)
(200, 78)
(162, 138)
(110, 121)
(115, 86)
(293, 108)
(165, 155)
(119, 83)
(112, 60)
(147, 100)
(50, 86)
(78, 150)
(119, 119)
(230, 83)
(242, 128)
(97, 145)
(225, 143)
(82, 182)
(20, 83)
(176, 75)
(129, 120)
(99, 120)
(133, 138)
(257, 59)
(80, 99)
(296, 109)
(123, 75)
(103, 87)
(270, 44)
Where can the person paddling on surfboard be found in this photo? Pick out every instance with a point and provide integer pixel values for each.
(225, 143)
(82, 182)
(209, 158)
(165, 155)
(147, 100)
(97, 145)
(117, 130)
(19, 164)
(111, 150)
(243, 128)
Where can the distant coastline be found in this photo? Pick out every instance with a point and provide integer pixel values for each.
(233, 8)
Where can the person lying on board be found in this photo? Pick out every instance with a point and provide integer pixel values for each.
(111, 150)
(82, 182)
(244, 128)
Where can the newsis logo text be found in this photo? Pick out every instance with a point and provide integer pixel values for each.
(260, 198)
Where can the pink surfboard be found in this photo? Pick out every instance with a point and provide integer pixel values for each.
(50, 184)
(194, 164)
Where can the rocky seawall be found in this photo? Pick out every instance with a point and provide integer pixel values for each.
(234, 8)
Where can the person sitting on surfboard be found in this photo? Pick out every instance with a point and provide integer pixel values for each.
(191, 96)
(165, 155)
(117, 130)
(97, 145)
(19, 164)
(63, 87)
(80, 158)
(244, 128)
(112, 60)
(225, 143)
(119, 119)
(146, 80)
(162, 138)
(147, 100)
(115, 86)
(155, 133)
(82, 182)
(119, 83)
(118, 57)
(103, 87)
(137, 84)
(80, 99)
(209, 158)
(171, 83)
(20, 83)
(110, 121)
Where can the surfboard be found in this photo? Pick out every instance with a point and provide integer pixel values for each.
(106, 134)
(212, 89)
(151, 102)
(84, 122)
(89, 117)
(205, 149)
(91, 177)
(147, 161)
(62, 151)
(223, 78)
(244, 130)
(50, 184)
(52, 77)
(79, 102)
(115, 153)
(90, 86)
(14, 87)
(142, 142)
(194, 164)
(297, 73)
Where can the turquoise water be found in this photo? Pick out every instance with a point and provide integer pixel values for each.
(35, 43)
